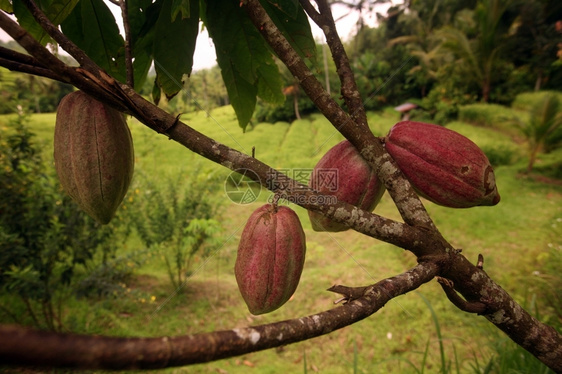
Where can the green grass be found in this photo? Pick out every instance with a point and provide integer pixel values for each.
(402, 337)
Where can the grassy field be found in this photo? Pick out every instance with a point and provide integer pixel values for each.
(513, 237)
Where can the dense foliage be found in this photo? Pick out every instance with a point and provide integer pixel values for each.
(45, 239)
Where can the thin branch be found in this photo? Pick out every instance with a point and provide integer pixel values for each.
(30, 69)
(45, 58)
(323, 18)
(469, 307)
(20, 346)
(124, 5)
(408, 203)
(79, 55)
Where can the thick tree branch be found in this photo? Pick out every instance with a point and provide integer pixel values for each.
(433, 252)
(416, 239)
(541, 340)
(20, 346)
(370, 147)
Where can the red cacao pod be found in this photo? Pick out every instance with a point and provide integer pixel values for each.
(270, 258)
(442, 165)
(94, 156)
(343, 173)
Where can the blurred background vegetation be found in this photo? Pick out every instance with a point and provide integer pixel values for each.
(490, 70)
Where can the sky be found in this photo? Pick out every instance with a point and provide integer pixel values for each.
(205, 57)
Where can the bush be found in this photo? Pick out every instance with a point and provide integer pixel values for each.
(44, 237)
(489, 115)
(527, 100)
(498, 147)
(176, 220)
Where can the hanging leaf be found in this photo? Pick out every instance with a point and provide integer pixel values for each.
(174, 45)
(142, 18)
(293, 23)
(291, 8)
(92, 27)
(156, 93)
(6, 6)
(246, 62)
(181, 8)
(55, 10)
(269, 83)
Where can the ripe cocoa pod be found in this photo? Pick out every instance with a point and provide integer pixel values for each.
(94, 156)
(343, 173)
(442, 165)
(270, 258)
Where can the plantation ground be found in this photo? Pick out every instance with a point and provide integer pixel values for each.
(513, 236)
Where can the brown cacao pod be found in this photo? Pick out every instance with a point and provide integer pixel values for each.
(442, 165)
(270, 258)
(343, 173)
(94, 156)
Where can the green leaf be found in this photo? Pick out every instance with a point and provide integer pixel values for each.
(181, 7)
(92, 27)
(142, 18)
(174, 45)
(246, 62)
(241, 93)
(6, 6)
(290, 7)
(156, 92)
(55, 10)
(270, 83)
(294, 25)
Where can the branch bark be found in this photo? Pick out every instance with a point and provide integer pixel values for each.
(20, 346)
(417, 234)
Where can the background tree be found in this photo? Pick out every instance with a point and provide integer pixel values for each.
(481, 55)
(543, 129)
(534, 42)
(245, 35)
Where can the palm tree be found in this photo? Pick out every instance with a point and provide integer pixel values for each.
(421, 44)
(544, 126)
(480, 55)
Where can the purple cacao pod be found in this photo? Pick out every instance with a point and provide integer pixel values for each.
(270, 258)
(343, 173)
(94, 156)
(442, 165)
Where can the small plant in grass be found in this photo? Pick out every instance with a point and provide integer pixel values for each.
(46, 241)
(176, 220)
(543, 130)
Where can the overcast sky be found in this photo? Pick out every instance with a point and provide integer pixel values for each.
(205, 53)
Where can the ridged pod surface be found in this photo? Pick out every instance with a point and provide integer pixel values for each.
(354, 183)
(442, 165)
(270, 258)
(94, 156)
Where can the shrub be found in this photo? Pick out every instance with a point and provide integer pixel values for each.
(481, 114)
(44, 237)
(498, 147)
(176, 220)
(543, 129)
(526, 100)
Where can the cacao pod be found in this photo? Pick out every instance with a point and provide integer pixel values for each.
(354, 183)
(94, 156)
(270, 258)
(442, 165)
